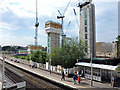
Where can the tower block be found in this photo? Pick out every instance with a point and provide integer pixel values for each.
(53, 30)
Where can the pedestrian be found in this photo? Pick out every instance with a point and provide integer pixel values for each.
(63, 75)
(78, 78)
(77, 72)
(112, 81)
(50, 71)
(31, 63)
(74, 78)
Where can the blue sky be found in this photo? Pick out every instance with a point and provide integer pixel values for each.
(17, 19)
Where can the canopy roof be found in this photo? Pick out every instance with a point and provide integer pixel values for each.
(100, 66)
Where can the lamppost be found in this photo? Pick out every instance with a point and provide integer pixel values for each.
(50, 63)
(91, 72)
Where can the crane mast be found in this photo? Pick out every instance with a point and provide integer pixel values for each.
(36, 25)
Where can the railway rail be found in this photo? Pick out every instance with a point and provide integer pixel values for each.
(32, 80)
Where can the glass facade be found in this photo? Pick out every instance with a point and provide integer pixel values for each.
(48, 45)
(85, 29)
(48, 39)
(48, 51)
(85, 22)
(86, 43)
(85, 36)
(85, 13)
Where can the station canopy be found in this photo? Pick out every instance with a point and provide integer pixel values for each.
(99, 66)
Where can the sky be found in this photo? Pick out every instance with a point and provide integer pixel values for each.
(17, 20)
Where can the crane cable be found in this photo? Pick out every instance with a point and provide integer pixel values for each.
(66, 7)
(68, 25)
(76, 18)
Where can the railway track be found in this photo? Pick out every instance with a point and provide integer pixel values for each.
(32, 80)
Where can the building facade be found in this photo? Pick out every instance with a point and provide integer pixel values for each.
(117, 49)
(105, 49)
(23, 52)
(34, 48)
(53, 30)
(87, 29)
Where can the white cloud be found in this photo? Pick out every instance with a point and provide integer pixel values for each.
(6, 26)
(46, 8)
(105, 1)
(27, 7)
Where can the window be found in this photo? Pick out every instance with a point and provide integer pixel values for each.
(86, 43)
(48, 51)
(48, 34)
(86, 50)
(85, 13)
(85, 22)
(85, 29)
(48, 45)
(85, 36)
(48, 39)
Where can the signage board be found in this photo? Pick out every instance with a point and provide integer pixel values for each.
(58, 68)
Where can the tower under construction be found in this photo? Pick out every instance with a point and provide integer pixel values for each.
(53, 30)
(87, 29)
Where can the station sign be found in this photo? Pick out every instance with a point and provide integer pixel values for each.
(59, 68)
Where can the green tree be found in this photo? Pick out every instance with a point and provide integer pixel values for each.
(38, 56)
(67, 55)
(118, 38)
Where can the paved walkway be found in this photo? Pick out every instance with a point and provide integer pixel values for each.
(85, 83)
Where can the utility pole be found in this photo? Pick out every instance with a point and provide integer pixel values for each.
(3, 72)
(91, 72)
(36, 25)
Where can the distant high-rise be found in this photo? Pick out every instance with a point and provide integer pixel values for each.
(119, 18)
(53, 30)
(87, 29)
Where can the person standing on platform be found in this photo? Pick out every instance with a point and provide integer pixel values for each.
(78, 78)
(112, 81)
(74, 78)
(50, 71)
(63, 75)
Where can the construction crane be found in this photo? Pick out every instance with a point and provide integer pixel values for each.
(36, 25)
(62, 17)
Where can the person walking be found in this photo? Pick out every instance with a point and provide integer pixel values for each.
(78, 78)
(63, 76)
(50, 71)
(74, 78)
(112, 81)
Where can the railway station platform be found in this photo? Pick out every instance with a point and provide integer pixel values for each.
(85, 83)
(0, 85)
